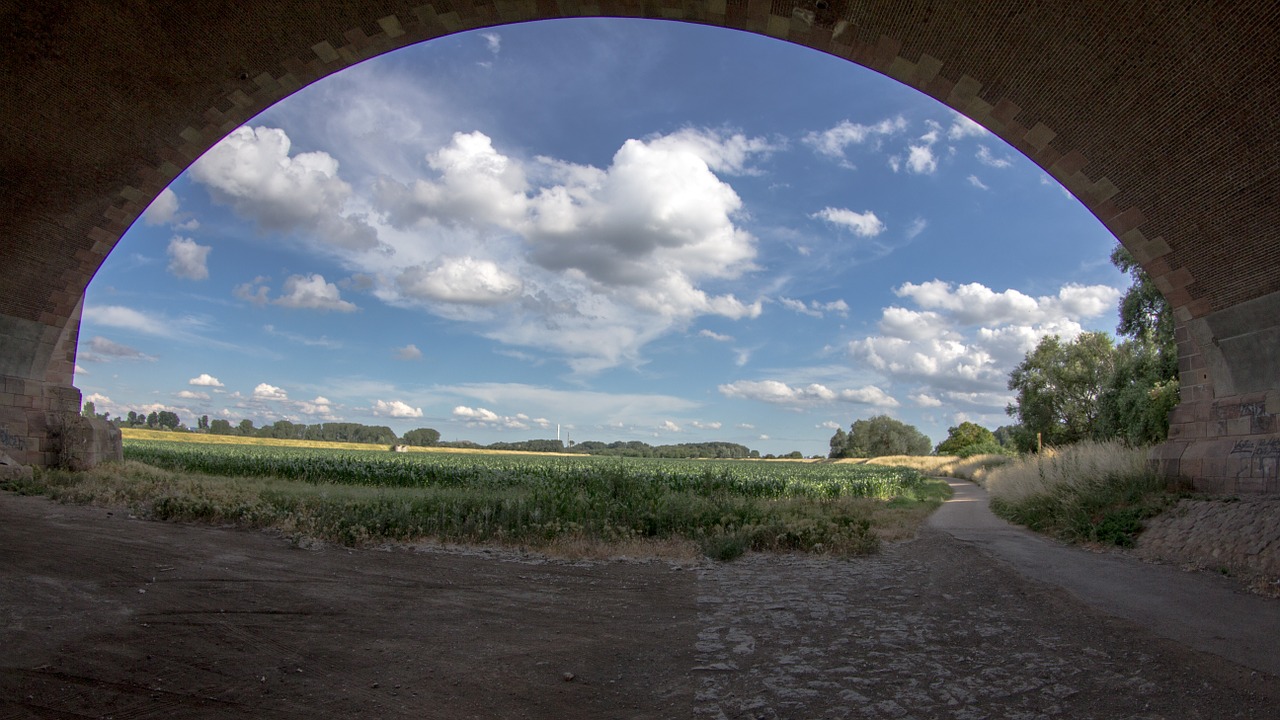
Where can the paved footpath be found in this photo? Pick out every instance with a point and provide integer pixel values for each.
(1199, 610)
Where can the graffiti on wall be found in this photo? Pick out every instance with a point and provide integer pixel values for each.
(1256, 449)
(9, 441)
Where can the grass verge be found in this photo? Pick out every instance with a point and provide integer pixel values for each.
(580, 525)
(1086, 493)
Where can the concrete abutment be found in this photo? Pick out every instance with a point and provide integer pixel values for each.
(41, 426)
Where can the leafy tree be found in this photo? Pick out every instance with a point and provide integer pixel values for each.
(245, 427)
(794, 455)
(882, 435)
(88, 410)
(1006, 436)
(134, 419)
(220, 427)
(1144, 387)
(1136, 403)
(1059, 385)
(153, 419)
(1145, 314)
(168, 420)
(838, 443)
(282, 430)
(422, 437)
(968, 439)
(203, 424)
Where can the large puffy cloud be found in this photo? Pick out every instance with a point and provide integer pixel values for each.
(477, 185)
(580, 261)
(205, 380)
(252, 171)
(974, 303)
(724, 153)
(658, 213)
(584, 262)
(779, 393)
(964, 339)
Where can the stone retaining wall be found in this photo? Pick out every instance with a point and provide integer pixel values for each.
(1240, 536)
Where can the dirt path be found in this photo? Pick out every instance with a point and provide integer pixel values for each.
(1199, 610)
(102, 615)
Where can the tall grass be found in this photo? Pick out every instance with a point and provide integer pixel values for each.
(1089, 492)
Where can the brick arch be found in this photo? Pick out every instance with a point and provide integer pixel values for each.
(1143, 114)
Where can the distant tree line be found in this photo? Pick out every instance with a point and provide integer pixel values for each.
(421, 437)
(623, 448)
(281, 429)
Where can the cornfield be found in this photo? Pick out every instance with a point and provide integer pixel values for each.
(358, 496)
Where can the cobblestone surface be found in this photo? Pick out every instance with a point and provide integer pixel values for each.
(933, 629)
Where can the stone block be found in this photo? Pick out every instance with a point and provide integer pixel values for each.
(1251, 485)
(11, 469)
(1192, 468)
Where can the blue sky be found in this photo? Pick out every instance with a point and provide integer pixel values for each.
(630, 229)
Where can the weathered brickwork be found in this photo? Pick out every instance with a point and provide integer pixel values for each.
(40, 424)
(1163, 121)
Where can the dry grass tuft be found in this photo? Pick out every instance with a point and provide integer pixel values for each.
(1073, 466)
(1092, 492)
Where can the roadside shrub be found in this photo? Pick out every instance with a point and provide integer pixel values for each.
(1089, 492)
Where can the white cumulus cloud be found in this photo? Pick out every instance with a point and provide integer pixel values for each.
(864, 224)
(162, 209)
(187, 259)
(312, 292)
(265, 391)
(464, 280)
(966, 338)
(253, 172)
(205, 380)
(396, 409)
